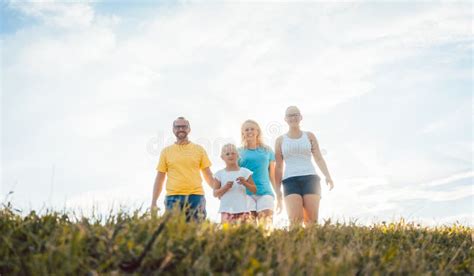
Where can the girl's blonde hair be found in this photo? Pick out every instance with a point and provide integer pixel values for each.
(260, 142)
(229, 145)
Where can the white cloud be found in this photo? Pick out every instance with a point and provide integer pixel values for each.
(57, 13)
(449, 179)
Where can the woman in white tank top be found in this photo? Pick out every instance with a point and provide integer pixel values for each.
(301, 184)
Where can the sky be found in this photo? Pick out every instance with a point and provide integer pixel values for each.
(89, 91)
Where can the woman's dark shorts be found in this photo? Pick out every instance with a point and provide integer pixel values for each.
(302, 185)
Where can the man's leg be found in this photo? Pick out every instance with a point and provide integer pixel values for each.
(196, 208)
(174, 201)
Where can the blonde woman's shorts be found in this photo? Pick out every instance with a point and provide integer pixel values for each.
(260, 202)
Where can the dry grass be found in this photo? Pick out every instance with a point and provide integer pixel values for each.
(56, 243)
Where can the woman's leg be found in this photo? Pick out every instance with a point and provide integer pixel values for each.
(311, 208)
(265, 217)
(225, 217)
(252, 201)
(294, 208)
(265, 205)
(245, 217)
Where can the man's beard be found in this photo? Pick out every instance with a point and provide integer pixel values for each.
(181, 137)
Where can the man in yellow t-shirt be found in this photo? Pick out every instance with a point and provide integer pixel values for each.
(183, 163)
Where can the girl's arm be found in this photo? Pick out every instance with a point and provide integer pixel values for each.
(219, 190)
(249, 183)
(318, 158)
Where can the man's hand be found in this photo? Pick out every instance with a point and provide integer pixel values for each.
(154, 208)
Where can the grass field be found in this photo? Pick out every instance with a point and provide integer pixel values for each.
(59, 243)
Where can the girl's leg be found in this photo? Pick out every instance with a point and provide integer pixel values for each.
(254, 216)
(242, 217)
(225, 218)
(311, 208)
(247, 218)
(294, 207)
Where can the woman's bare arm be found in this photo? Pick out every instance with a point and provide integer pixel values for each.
(278, 166)
(318, 158)
(271, 173)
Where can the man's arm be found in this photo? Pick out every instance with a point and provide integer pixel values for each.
(159, 180)
(217, 186)
(207, 174)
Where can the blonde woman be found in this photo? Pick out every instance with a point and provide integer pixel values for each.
(260, 159)
(301, 184)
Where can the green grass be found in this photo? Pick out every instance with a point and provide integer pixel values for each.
(59, 243)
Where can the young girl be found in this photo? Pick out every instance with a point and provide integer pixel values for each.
(230, 187)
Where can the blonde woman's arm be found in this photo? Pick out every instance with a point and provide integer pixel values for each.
(318, 158)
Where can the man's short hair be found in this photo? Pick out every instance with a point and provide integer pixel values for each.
(181, 118)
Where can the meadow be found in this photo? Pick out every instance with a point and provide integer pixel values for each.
(60, 243)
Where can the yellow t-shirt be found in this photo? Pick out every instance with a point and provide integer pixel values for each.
(183, 165)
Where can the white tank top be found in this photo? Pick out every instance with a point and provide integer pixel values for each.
(297, 156)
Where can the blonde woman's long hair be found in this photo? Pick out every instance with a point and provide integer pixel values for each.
(260, 142)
